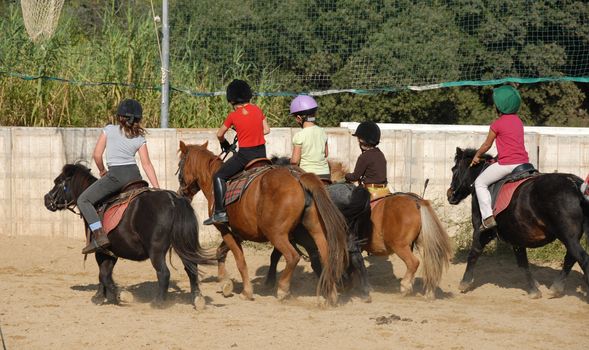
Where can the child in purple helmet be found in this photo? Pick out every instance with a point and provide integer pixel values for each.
(309, 149)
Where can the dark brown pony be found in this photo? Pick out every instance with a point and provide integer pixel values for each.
(274, 204)
(401, 221)
(154, 221)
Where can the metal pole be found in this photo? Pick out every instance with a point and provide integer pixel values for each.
(165, 65)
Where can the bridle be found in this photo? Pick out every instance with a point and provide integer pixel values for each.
(193, 189)
(62, 189)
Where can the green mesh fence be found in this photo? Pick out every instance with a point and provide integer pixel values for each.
(319, 47)
(379, 46)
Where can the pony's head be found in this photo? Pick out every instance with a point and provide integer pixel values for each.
(68, 186)
(463, 175)
(196, 166)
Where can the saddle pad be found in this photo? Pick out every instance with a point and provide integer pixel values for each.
(505, 194)
(237, 185)
(112, 213)
(113, 216)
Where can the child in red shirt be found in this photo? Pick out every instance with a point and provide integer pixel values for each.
(250, 125)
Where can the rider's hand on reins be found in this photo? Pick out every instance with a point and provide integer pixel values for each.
(225, 145)
(475, 161)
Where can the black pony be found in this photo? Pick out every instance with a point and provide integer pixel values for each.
(153, 221)
(354, 203)
(542, 209)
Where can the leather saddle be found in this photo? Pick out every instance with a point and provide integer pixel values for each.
(112, 209)
(502, 190)
(239, 183)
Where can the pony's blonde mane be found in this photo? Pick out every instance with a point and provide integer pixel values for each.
(337, 170)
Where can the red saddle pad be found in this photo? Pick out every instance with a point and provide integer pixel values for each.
(113, 216)
(505, 194)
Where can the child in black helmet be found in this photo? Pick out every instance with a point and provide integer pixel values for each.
(121, 142)
(251, 126)
(371, 167)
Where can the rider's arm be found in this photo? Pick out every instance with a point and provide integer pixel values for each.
(98, 151)
(147, 166)
(359, 170)
(221, 133)
(295, 158)
(484, 147)
(266, 127)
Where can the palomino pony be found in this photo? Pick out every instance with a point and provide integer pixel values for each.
(274, 204)
(152, 222)
(542, 209)
(400, 221)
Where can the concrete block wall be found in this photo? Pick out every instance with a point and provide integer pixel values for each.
(30, 158)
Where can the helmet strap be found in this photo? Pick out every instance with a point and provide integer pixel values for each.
(364, 146)
(300, 120)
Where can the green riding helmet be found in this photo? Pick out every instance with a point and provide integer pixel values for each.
(507, 99)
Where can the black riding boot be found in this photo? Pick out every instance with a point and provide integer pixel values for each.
(219, 216)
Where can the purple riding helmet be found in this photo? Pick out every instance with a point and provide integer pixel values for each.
(304, 106)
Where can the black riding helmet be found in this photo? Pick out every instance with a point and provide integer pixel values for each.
(369, 132)
(238, 91)
(131, 109)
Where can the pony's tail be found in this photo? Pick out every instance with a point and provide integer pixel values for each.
(435, 245)
(185, 240)
(336, 236)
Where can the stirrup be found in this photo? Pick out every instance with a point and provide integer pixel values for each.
(217, 218)
(93, 246)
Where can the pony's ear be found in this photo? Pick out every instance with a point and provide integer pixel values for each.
(206, 144)
(459, 152)
(182, 147)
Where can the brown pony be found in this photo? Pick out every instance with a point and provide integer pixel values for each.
(398, 222)
(273, 205)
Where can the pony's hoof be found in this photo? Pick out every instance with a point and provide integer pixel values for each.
(464, 286)
(227, 288)
(362, 298)
(322, 302)
(430, 295)
(282, 295)
(199, 303)
(406, 291)
(126, 297)
(246, 296)
(557, 290)
(98, 299)
(535, 294)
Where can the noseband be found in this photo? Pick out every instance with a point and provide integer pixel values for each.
(62, 190)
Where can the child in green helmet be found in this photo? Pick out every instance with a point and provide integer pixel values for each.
(508, 132)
